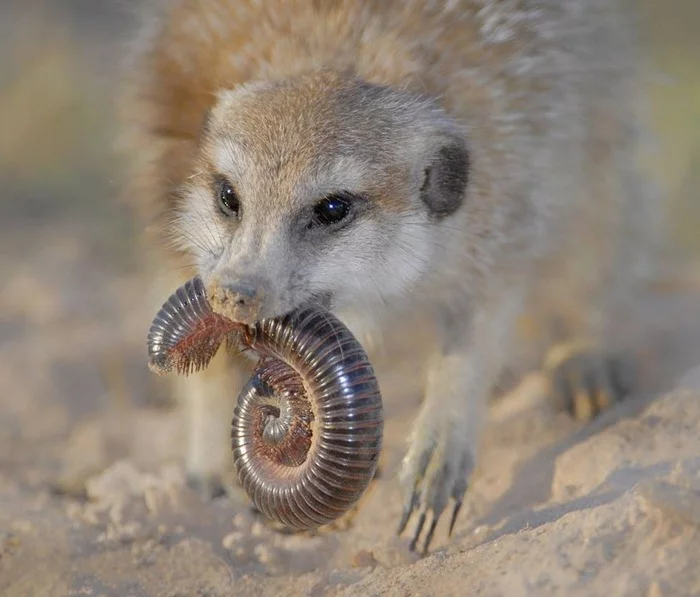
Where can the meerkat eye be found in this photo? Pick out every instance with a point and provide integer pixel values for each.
(331, 210)
(228, 200)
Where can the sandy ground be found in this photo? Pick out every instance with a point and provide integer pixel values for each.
(92, 498)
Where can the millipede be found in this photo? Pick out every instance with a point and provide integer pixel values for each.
(307, 426)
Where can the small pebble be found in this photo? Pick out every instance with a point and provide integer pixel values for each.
(239, 520)
(258, 529)
(364, 558)
(230, 540)
(264, 554)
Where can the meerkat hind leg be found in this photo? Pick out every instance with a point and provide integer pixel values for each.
(588, 369)
(585, 380)
(591, 365)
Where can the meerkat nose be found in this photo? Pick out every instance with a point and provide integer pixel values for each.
(241, 301)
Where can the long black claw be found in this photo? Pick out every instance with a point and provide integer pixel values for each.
(421, 522)
(429, 536)
(455, 513)
(564, 394)
(404, 519)
(407, 511)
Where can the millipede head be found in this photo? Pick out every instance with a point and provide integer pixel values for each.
(186, 333)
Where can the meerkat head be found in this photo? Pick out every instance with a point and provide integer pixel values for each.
(320, 189)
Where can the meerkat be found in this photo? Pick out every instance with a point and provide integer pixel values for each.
(468, 162)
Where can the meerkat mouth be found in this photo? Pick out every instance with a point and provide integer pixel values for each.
(322, 299)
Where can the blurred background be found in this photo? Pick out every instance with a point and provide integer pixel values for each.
(74, 387)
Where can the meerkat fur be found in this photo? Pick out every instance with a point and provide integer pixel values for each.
(485, 151)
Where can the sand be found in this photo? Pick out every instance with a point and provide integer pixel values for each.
(93, 499)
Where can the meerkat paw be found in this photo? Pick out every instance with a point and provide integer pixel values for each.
(436, 468)
(208, 486)
(586, 381)
(208, 469)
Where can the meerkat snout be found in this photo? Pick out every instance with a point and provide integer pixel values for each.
(242, 300)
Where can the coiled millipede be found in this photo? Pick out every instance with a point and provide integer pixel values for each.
(307, 428)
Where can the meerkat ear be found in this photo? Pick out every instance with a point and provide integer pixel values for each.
(445, 178)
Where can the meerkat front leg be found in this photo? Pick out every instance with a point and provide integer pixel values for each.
(443, 446)
(208, 399)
